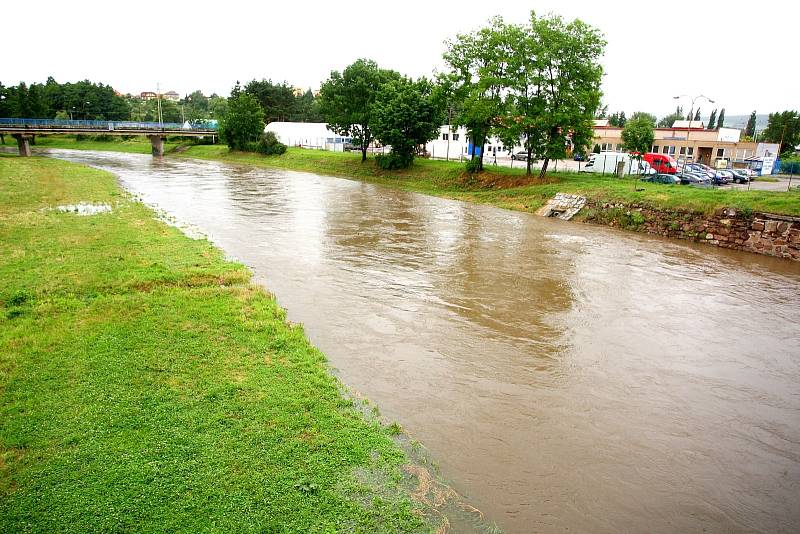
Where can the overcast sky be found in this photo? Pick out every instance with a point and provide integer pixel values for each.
(740, 54)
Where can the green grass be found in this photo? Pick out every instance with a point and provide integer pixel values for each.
(509, 188)
(146, 385)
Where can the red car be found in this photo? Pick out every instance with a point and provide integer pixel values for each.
(662, 163)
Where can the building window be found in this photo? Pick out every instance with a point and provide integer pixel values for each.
(665, 150)
(655, 149)
(607, 147)
(720, 152)
(455, 137)
(444, 137)
(619, 147)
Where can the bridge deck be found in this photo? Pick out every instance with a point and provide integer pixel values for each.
(57, 126)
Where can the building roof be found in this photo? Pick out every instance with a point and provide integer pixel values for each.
(689, 124)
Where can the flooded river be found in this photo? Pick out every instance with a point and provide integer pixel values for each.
(566, 376)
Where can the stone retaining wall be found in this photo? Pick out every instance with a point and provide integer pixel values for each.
(760, 233)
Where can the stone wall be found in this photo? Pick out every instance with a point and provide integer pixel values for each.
(760, 233)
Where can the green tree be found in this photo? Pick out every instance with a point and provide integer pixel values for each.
(637, 136)
(712, 120)
(750, 129)
(478, 64)
(697, 115)
(784, 128)
(721, 119)
(670, 119)
(306, 108)
(347, 99)
(243, 122)
(569, 59)
(405, 115)
(217, 106)
(276, 99)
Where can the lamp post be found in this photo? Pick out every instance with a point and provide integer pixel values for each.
(691, 114)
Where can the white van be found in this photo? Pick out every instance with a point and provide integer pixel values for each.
(606, 162)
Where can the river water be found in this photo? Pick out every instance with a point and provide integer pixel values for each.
(566, 376)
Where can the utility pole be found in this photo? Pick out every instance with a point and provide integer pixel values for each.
(158, 105)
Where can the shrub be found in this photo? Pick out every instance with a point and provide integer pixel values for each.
(267, 145)
(393, 160)
(104, 138)
(473, 165)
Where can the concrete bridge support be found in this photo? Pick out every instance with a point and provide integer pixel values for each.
(24, 144)
(157, 143)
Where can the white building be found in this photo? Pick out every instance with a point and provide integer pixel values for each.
(308, 135)
(452, 143)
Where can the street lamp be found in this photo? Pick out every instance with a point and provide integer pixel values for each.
(691, 115)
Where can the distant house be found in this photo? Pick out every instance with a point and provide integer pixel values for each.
(171, 95)
(147, 95)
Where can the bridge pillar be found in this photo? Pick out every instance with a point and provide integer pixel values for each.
(24, 144)
(157, 143)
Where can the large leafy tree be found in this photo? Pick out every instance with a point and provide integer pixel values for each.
(721, 118)
(405, 115)
(347, 100)
(638, 133)
(276, 99)
(784, 128)
(243, 122)
(569, 55)
(479, 64)
(306, 108)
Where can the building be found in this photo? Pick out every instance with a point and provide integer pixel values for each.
(171, 95)
(308, 135)
(147, 95)
(689, 141)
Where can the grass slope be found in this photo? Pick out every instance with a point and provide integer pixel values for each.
(146, 385)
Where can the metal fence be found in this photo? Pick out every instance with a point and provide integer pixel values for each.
(100, 125)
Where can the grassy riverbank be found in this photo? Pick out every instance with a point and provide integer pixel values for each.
(147, 385)
(136, 144)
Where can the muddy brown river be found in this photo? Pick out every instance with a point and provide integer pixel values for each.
(566, 377)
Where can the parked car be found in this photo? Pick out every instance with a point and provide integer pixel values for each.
(739, 176)
(725, 176)
(578, 157)
(606, 162)
(520, 156)
(693, 178)
(662, 163)
(662, 178)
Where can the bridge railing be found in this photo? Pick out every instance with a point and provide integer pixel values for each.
(102, 125)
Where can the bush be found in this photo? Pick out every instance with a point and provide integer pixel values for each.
(81, 137)
(268, 145)
(104, 138)
(473, 165)
(392, 160)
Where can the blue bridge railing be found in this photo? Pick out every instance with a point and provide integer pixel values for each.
(105, 125)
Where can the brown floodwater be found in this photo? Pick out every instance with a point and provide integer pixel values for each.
(565, 376)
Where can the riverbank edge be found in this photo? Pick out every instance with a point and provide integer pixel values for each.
(768, 234)
(36, 318)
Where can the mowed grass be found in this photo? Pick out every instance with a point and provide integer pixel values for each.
(147, 386)
(506, 187)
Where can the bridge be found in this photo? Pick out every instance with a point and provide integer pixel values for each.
(24, 130)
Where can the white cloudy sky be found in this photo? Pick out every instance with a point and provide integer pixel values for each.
(738, 53)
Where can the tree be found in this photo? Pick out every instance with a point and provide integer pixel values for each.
(276, 99)
(712, 120)
(697, 115)
(640, 114)
(478, 64)
(637, 135)
(405, 116)
(569, 59)
(670, 119)
(721, 119)
(243, 123)
(306, 108)
(750, 129)
(784, 128)
(347, 98)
